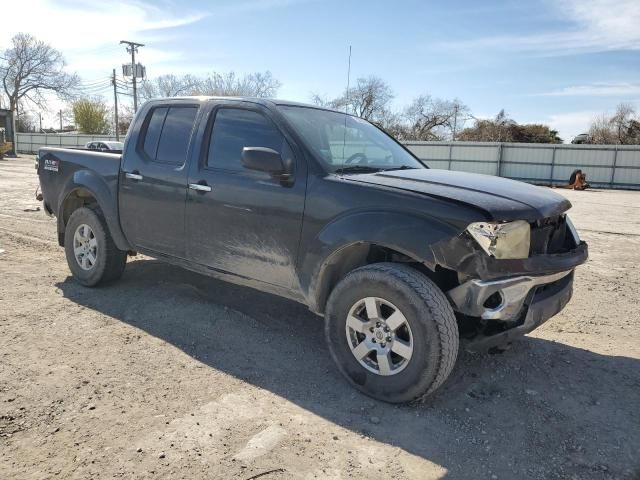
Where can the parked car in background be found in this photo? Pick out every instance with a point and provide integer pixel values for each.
(328, 210)
(105, 146)
(582, 138)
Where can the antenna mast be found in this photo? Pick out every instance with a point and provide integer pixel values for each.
(346, 108)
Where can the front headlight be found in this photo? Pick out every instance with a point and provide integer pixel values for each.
(503, 240)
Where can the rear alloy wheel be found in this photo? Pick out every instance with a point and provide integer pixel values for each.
(92, 255)
(391, 332)
(85, 247)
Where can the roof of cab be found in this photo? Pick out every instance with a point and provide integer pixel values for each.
(267, 102)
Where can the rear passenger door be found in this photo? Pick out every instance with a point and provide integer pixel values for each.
(153, 179)
(243, 221)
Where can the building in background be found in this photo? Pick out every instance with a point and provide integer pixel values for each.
(6, 125)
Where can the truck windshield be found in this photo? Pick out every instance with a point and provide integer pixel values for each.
(347, 144)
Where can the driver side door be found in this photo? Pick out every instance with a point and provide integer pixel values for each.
(241, 221)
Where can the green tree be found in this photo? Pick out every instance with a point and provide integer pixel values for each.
(91, 116)
(501, 128)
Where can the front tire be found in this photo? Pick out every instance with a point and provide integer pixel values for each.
(92, 255)
(391, 332)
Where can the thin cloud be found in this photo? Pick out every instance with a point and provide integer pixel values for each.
(596, 89)
(570, 124)
(89, 34)
(592, 26)
(73, 27)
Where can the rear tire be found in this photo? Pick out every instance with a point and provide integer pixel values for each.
(92, 255)
(374, 300)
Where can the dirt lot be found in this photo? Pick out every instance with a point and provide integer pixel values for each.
(169, 374)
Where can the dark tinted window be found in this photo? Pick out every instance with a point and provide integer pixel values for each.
(175, 136)
(234, 129)
(152, 134)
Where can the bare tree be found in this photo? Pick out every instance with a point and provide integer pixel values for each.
(29, 68)
(501, 128)
(262, 84)
(623, 128)
(125, 117)
(426, 118)
(259, 84)
(368, 99)
(497, 129)
(168, 86)
(26, 122)
(229, 84)
(322, 101)
(434, 119)
(621, 121)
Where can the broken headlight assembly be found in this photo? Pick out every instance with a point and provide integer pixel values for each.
(503, 240)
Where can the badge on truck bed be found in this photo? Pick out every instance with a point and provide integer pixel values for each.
(52, 165)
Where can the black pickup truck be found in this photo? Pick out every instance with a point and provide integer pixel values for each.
(326, 209)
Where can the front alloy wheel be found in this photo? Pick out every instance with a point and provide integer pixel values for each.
(379, 336)
(391, 332)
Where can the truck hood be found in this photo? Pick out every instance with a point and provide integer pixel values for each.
(501, 199)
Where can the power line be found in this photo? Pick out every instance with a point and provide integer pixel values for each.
(94, 81)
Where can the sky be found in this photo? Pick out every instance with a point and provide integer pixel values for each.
(559, 62)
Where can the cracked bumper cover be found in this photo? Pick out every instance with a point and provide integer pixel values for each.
(544, 304)
(510, 294)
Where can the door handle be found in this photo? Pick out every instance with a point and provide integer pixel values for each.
(133, 176)
(199, 187)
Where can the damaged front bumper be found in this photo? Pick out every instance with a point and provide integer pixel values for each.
(497, 299)
(541, 302)
(515, 296)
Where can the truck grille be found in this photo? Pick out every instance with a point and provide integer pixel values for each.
(550, 235)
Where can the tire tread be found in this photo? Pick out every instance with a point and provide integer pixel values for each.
(439, 309)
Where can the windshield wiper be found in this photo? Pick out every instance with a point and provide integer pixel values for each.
(358, 169)
(401, 167)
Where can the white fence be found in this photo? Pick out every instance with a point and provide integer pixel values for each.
(31, 142)
(609, 166)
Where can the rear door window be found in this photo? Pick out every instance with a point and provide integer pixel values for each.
(168, 134)
(176, 134)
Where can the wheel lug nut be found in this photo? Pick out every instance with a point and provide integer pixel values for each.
(371, 329)
(373, 340)
(377, 324)
(383, 344)
(388, 339)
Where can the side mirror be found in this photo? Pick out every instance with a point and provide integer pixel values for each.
(263, 159)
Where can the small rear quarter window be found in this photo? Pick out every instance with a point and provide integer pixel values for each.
(152, 134)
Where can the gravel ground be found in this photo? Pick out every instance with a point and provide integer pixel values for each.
(169, 374)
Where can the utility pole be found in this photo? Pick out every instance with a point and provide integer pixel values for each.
(40, 115)
(115, 103)
(60, 113)
(132, 49)
(455, 121)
